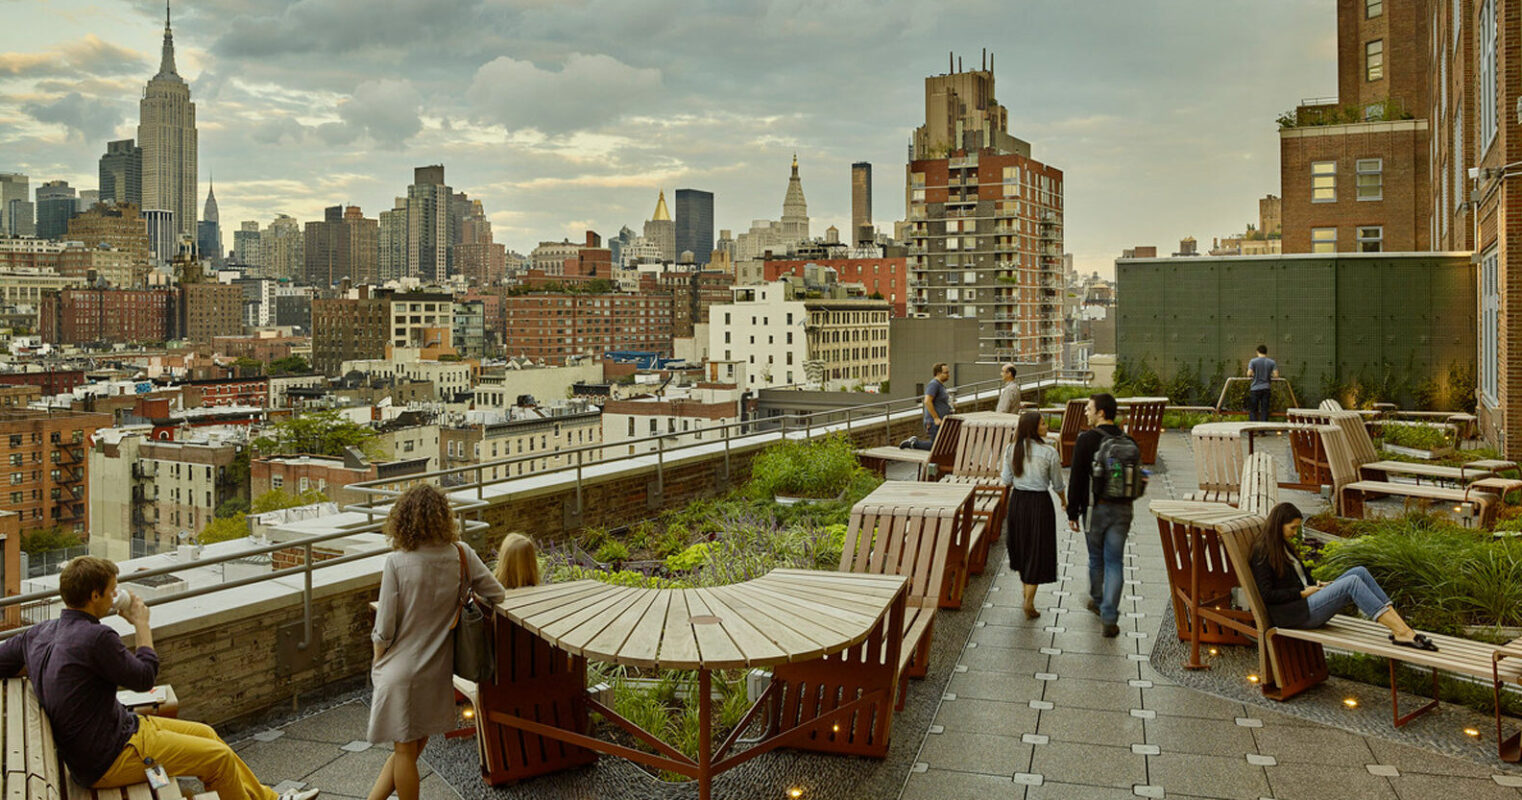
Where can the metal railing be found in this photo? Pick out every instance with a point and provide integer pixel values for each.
(383, 491)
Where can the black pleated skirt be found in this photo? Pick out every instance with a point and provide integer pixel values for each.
(1031, 535)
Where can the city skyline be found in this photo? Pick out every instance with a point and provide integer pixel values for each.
(1155, 144)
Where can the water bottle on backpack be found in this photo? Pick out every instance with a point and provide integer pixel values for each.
(1118, 463)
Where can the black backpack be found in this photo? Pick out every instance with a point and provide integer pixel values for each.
(1117, 463)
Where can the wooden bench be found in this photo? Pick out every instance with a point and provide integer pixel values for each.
(33, 768)
(1369, 465)
(886, 541)
(1199, 576)
(1305, 447)
(877, 459)
(981, 441)
(1074, 422)
(1217, 467)
(1144, 423)
(1350, 490)
(943, 450)
(1292, 660)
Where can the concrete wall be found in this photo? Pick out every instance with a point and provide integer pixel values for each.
(1329, 320)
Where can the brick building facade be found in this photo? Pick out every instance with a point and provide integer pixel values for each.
(42, 456)
(348, 329)
(209, 310)
(888, 277)
(82, 316)
(553, 326)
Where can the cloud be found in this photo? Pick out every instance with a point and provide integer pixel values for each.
(89, 55)
(87, 117)
(588, 91)
(385, 110)
(338, 27)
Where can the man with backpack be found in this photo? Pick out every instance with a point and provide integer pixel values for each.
(1107, 472)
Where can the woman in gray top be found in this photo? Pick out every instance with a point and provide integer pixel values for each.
(414, 660)
(1032, 468)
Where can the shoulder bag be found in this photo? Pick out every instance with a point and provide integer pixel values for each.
(475, 657)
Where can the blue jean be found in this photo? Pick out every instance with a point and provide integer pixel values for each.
(929, 441)
(1257, 404)
(1355, 586)
(1109, 524)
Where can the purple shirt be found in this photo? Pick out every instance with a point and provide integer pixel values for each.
(75, 664)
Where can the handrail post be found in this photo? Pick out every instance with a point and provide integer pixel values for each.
(888, 424)
(578, 481)
(660, 465)
(726, 452)
(306, 599)
(784, 426)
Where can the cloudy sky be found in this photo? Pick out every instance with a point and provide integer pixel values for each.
(563, 115)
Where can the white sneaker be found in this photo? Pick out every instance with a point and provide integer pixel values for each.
(300, 794)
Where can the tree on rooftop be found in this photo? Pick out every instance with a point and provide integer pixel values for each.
(321, 433)
(224, 529)
(248, 366)
(50, 538)
(290, 365)
(277, 499)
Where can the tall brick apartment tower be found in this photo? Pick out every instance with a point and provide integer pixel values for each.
(1356, 170)
(985, 222)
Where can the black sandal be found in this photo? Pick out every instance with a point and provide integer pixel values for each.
(1419, 642)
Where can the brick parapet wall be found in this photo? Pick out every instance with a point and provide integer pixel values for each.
(225, 666)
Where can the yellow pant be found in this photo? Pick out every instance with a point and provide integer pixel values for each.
(185, 749)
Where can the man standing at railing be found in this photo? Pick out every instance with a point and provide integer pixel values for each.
(937, 408)
(1009, 393)
(1262, 370)
(75, 664)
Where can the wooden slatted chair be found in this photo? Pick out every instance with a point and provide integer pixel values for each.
(886, 540)
(1370, 466)
(943, 451)
(1350, 491)
(981, 443)
(1217, 467)
(1305, 445)
(1144, 423)
(1201, 579)
(1074, 422)
(1292, 660)
(33, 768)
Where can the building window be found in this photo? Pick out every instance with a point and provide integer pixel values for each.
(1371, 239)
(1374, 59)
(277, 481)
(1487, 70)
(1490, 320)
(1371, 179)
(1373, 8)
(1323, 240)
(1323, 181)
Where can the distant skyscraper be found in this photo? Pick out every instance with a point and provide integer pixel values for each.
(694, 223)
(56, 203)
(660, 229)
(121, 173)
(246, 243)
(209, 230)
(342, 245)
(393, 241)
(15, 205)
(429, 230)
(281, 247)
(861, 204)
(795, 210)
(163, 235)
(166, 131)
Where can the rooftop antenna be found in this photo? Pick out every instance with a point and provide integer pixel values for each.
(985, 59)
(951, 58)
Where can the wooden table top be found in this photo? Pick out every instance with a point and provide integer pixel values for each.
(785, 615)
(925, 495)
(1239, 428)
(1199, 513)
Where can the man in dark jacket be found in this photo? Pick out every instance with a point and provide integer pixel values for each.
(1110, 521)
(75, 664)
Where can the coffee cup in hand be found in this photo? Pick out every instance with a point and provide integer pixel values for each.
(122, 602)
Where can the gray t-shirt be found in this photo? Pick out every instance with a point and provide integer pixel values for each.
(1262, 369)
(939, 398)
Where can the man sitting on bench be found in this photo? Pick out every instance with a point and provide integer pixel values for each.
(76, 664)
(1295, 602)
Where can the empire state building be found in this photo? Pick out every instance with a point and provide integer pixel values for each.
(166, 131)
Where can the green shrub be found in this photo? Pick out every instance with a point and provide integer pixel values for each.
(612, 552)
(689, 559)
(1420, 437)
(673, 541)
(592, 538)
(822, 467)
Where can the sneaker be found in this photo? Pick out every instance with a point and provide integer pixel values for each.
(907, 443)
(1092, 606)
(1111, 631)
(300, 794)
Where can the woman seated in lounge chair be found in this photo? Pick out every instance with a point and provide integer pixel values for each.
(1295, 602)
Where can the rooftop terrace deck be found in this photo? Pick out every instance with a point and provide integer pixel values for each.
(1024, 709)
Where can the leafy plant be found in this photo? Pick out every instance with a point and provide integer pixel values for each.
(816, 468)
(688, 559)
(613, 552)
(54, 537)
(1420, 437)
(322, 433)
(592, 538)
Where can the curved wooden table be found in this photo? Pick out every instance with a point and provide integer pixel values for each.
(832, 640)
